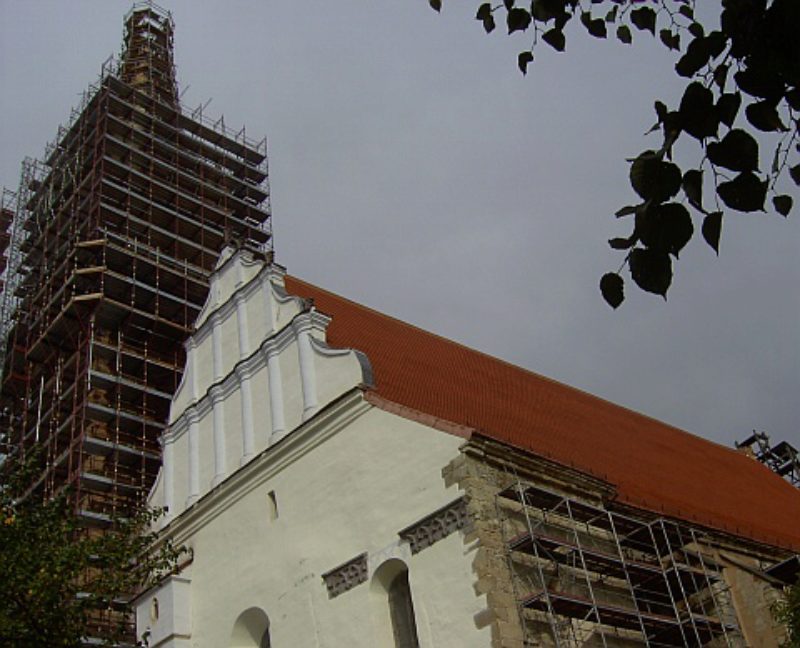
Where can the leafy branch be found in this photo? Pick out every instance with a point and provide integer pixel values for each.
(753, 59)
(59, 578)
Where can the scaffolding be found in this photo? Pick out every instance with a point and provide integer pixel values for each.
(782, 458)
(105, 253)
(585, 575)
(107, 247)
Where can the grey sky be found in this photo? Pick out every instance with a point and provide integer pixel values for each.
(415, 170)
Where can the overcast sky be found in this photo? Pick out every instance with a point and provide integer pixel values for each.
(415, 170)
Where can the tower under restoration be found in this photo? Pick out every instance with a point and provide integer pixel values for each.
(108, 244)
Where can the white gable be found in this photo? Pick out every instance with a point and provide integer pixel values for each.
(257, 366)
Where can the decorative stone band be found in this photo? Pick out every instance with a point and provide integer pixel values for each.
(346, 576)
(436, 526)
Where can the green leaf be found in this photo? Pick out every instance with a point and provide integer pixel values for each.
(435, 4)
(518, 19)
(686, 11)
(760, 82)
(624, 34)
(782, 204)
(793, 98)
(693, 187)
(672, 41)
(596, 27)
(644, 18)
(712, 228)
(698, 117)
(653, 179)
(737, 151)
(728, 107)
(697, 55)
(562, 20)
(651, 270)
(555, 39)
(764, 116)
(623, 243)
(666, 228)
(696, 30)
(794, 172)
(485, 16)
(716, 42)
(661, 111)
(546, 10)
(612, 288)
(523, 60)
(611, 16)
(508, 4)
(745, 193)
(625, 211)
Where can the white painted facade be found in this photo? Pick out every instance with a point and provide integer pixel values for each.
(277, 470)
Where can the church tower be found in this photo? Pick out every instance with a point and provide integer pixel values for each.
(108, 246)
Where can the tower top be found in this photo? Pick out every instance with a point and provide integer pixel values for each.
(147, 61)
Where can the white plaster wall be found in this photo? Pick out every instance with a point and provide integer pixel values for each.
(233, 431)
(303, 385)
(183, 395)
(237, 276)
(292, 386)
(206, 439)
(262, 414)
(165, 612)
(227, 279)
(255, 308)
(203, 358)
(284, 312)
(351, 494)
(230, 343)
(180, 473)
(336, 372)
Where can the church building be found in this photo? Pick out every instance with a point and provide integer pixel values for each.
(343, 478)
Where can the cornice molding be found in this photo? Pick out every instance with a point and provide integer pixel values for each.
(312, 321)
(221, 312)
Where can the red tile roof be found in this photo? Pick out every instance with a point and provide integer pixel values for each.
(654, 466)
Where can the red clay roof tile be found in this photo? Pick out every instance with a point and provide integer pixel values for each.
(653, 465)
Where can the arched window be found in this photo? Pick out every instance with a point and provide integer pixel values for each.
(393, 606)
(401, 610)
(251, 630)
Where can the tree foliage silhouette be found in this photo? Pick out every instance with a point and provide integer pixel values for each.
(742, 79)
(787, 611)
(58, 579)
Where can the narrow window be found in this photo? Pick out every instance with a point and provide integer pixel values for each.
(401, 610)
(273, 505)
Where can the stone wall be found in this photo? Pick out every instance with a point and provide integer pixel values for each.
(485, 468)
